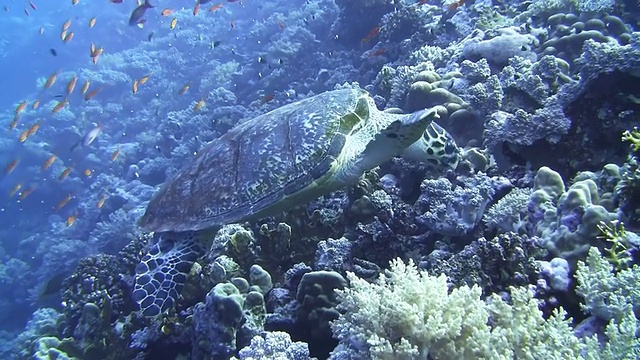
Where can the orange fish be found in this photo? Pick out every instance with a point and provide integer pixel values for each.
(215, 7)
(454, 6)
(65, 173)
(199, 105)
(62, 103)
(87, 172)
(92, 22)
(12, 166)
(85, 87)
(68, 37)
(71, 220)
(196, 9)
(166, 12)
(66, 25)
(173, 23)
(14, 123)
(27, 192)
(92, 93)
(63, 35)
(72, 84)
(33, 129)
(64, 201)
(95, 52)
(184, 89)
(21, 107)
(35, 104)
(134, 87)
(101, 201)
(15, 190)
(51, 80)
(143, 80)
(47, 164)
(24, 136)
(74, 2)
(372, 34)
(378, 52)
(265, 99)
(115, 153)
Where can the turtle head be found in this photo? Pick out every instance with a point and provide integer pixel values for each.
(435, 147)
(395, 133)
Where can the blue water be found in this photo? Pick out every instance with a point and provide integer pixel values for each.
(211, 72)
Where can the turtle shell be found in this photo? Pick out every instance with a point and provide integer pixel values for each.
(252, 168)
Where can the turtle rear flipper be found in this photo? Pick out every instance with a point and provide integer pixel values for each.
(163, 271)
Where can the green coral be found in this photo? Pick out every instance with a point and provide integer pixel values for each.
(633, 138)
(616, 235)
(408, 314)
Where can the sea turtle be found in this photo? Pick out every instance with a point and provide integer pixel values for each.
(269, 164)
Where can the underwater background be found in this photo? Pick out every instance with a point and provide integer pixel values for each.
(525, 246)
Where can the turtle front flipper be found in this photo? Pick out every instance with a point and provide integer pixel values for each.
(162, 272)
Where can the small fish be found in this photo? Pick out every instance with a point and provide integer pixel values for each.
(68, 37)
(88, 96)
(115, 1)
(143, 80)
(89, 137)
(75, 2)
(11, 166)
(199, 105)
(33, 6)
(64, 201)
(65, 173)
(70, 220)
(41, 30)
(47, 164)
(14, 123)
(101, 201)
(63, 35)
(24, 136)
(371, 35)
(33, 129)
(61, 104)
(54, 285)
(196, 8)
(378, 52)
(150, 36)
(87, 172)
(166, 11)
(15, 190)
(215, 44)
(72, 84)
(66, 25)
(138, 13)
(173, 23)
(92, 22)
(115, 153)
(215, 7)
(51, 80)
(26, 192)
(454, 6)
(134, 87)
(35, 104)
(281, 25)
(184, 89)
(85, 87)
(232, 24)
(53, 52)
(265, 99)
(21, 107)
(26, 11)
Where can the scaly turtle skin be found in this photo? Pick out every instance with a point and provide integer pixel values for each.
(269, 164)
